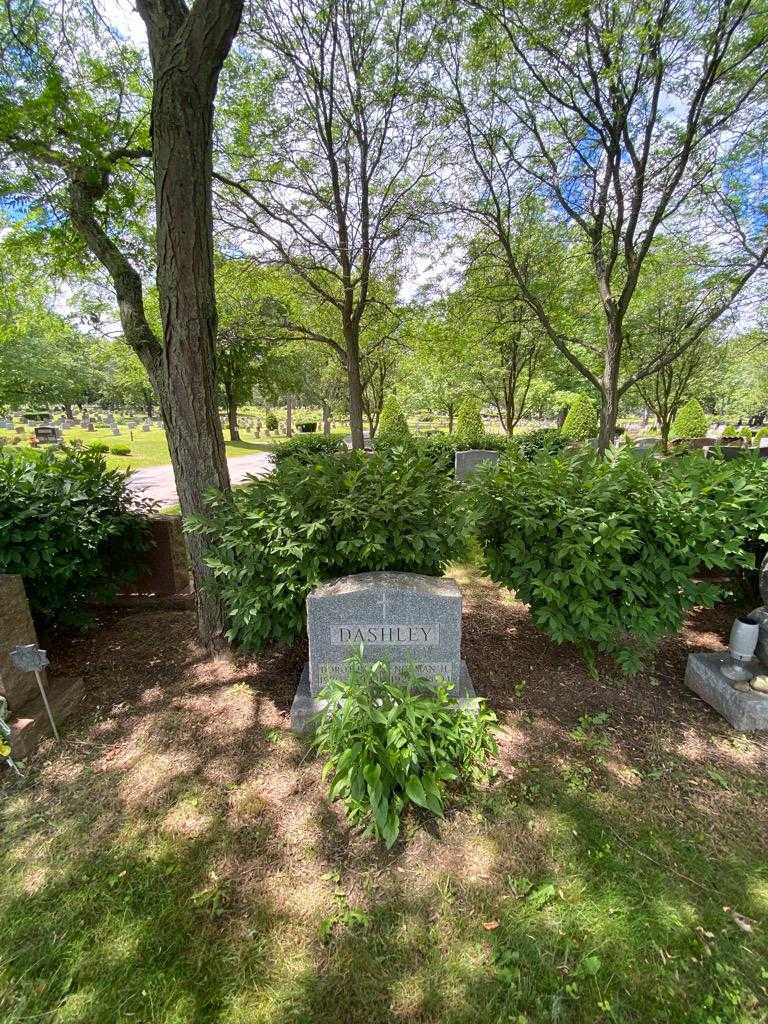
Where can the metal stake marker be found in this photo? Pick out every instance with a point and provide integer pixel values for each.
(30, 658)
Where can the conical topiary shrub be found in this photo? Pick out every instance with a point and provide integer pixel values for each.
(581, 422)
(691, 421)
(469, 425)
(393, 431)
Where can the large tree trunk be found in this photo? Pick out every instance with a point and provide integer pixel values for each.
(289, 416)
(326, 418)
(68, 410)
(187, 49)
(355, 391)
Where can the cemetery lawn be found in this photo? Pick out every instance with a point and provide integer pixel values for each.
(177, 860)
(150, 448)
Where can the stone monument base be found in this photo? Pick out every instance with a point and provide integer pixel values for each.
(746, 711)
(305, 706)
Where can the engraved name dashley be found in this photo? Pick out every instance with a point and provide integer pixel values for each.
(386, 635)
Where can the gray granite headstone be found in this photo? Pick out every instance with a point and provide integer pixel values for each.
(764, 580)
(465, 463)
(398, 617)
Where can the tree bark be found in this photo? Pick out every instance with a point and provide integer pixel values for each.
(450, 418)
(68, 410)
(326, 418)
(355, 391)
(289, 416)
(234, 429)
(187, 49)
(609, 384)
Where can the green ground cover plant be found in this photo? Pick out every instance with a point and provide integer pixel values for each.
(276, 539)
(306, 447)
(388, 744)
(606, 551)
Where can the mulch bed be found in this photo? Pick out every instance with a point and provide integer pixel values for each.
(512, 663)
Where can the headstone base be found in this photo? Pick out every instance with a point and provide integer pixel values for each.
(305, 706)
(746, 711)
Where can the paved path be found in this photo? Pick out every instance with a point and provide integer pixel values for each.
(157, 482)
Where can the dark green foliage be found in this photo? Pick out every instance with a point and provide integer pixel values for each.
(441, 448)
(388, 745)
(276, 539)
(120, 449)
(270, 421)
(306, 447)
(308, 427)
(470, 432)
(691, 421)
(101, 447)
(67, 526)
(605, 550)
(581, 422)
(393, 431)
(535, 442)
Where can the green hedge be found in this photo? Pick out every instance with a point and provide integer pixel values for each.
(307, 447)
(470, 432)
(581, 423)
(605, 550)
(393, 431)
(69, 526)
(691, 421)
(276, 539)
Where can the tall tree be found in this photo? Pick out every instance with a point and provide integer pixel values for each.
(74, 122)
(630, 120)
(332, 179)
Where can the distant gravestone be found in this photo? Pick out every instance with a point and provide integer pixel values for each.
(48, 435)
(5, 425)
(146, 427)
(465, 463)
(402, 618)
(20, 430)
(115, 432)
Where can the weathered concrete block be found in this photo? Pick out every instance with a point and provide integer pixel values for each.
(16, 628)
(746, 711)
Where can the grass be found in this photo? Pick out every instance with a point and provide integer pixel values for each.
(150, 448)
(177, 862)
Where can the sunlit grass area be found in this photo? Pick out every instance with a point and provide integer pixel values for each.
(150, 448)
(178, 861)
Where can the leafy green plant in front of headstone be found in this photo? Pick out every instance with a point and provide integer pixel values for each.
(270, 421)
(606, 552)
(388, 745)
(393, 431)
(691, 421)
(441, 448)
(307, 447)
(278, 538)
(760, 434)
(581, 423)
(470, 432)
(70, 528)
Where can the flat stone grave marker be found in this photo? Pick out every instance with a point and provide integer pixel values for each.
(465, 463)
(398, 617)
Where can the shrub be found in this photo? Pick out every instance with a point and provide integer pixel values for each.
(691, 421)
(393, 431)
(69, 527)
(307, 447)
(760, 434)
(100, 447)
(307, 427)
(581, 423)
(746, 433)
(605, 550)
(533, 443)
(120, 449)
(441, 448)
(388, 745)
(470, 432)
(270, 421)
(276, 539)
